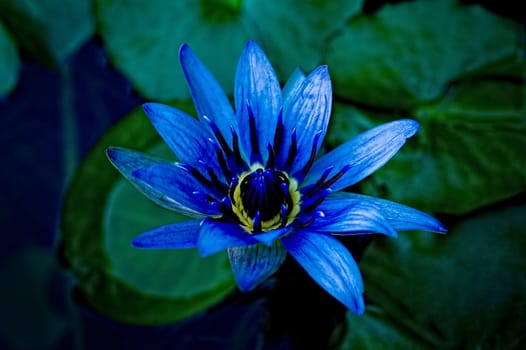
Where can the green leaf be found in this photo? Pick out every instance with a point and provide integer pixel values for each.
(143, 40)
(376, 330)
(407, 53)
(348, 121)
(9, 62)
(127, 214)
(295, 32)
(480, 100)
(102, 213)
(29, 318)
(468, 153)
(466, 289)
(50, 30)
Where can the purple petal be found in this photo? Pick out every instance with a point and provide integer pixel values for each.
(178, 235)
(364, 154)
(208, 96)
(330, 264)
(253, 264)
(215, 236)
(257, 85)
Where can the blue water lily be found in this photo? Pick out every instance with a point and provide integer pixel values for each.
(250, 180)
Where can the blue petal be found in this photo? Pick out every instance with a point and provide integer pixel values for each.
(257, 85)
(269, 237)
(292, 86)
(173, 184)
(208, 96)
(185, 136)
(215, 236)
(350, 216)
(399, 216)
(330, 264)
(364, 153)
(178, 235)
(129, 161)
(308, 111)
(253, 264)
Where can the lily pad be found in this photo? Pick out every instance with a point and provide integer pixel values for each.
(50, 30)
(468, 153)
(102, 213)
(295, 32)
(143, 40)
(466, 289)
(408, 53)
(9, 62)
(376, 330)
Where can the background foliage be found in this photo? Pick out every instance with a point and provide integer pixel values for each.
(72, 75)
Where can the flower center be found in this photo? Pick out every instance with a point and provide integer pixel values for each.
(264, 199)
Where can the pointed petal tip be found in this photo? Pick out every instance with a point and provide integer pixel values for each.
(441, 228)
(185, 54)
(110, 152)
(146, 106)
(321, 74)
(115, 154)
(251, 44)
(149, 109)
(391, 233)
(245, 287)
(323, 69)
(145, 243)
(411, 127)
(152, 108)
(141, 241)
(252, 48)
(183, 49)
(137, 243)
(358, 307)
(434, 225)
(330, 264)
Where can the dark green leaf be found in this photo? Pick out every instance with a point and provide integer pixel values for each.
(348, 121)
(8, 62)
(49, 29)
(376, 330)
(143, 40)
(407, 53)
(469, 151)
(296, 32)
(466, 289)
(102, 213)
(480, 100)
(127, 214)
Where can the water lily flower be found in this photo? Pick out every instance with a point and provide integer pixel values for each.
(250, 181)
